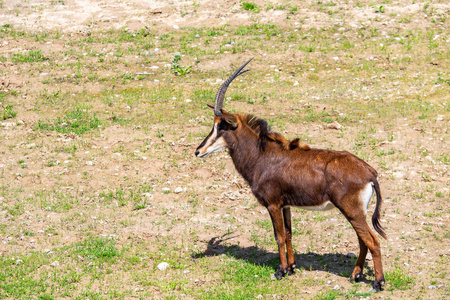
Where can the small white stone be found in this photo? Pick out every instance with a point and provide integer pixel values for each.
(54, 264)
(165, 189)
(89, 163)
(176, 27)
(336, 287)
(19, 261)
(163, 266)
(178, 190)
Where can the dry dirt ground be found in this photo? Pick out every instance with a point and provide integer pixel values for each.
(91, 213)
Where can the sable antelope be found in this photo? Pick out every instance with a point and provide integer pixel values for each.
(284, 173)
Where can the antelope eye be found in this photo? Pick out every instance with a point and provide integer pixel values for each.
(222, 126)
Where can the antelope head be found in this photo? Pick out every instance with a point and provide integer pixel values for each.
(223, 120)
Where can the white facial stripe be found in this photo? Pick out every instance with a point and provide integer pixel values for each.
(219, 145)
(213, 144)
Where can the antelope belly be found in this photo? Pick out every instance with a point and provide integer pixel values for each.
(325, 206)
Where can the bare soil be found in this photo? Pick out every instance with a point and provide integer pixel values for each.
(60, 181)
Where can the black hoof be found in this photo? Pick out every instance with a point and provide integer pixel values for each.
(291, 269)
(280, 273)
(358, 278)
(377, 286)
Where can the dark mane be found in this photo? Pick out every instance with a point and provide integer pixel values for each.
(261, 128)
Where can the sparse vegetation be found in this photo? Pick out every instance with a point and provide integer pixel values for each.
(99, 184)
(77, 121)
(177, 68)
(250, 6)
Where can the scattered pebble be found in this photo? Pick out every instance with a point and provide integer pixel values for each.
(336, 287)
(178, 190)
(334, 125)
(54, 264)
(163, 266)
(18, 262)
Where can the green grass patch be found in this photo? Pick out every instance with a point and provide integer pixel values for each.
(398, 279)
(6, 111)
(77, 121)
(250, 6)
(243, 280)
(30, 56)
(98, 248)
(17, 278)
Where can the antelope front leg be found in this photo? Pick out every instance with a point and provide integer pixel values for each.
(280, 236)
(288, 229)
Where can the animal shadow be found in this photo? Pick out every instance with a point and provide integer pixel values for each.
(336, 263)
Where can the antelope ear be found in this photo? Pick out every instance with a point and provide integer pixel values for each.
(230, 119)
(210, 106)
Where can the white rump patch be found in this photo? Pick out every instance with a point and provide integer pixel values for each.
(366, 195)
(325, 206)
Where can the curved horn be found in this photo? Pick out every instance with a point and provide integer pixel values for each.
(218, 104)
